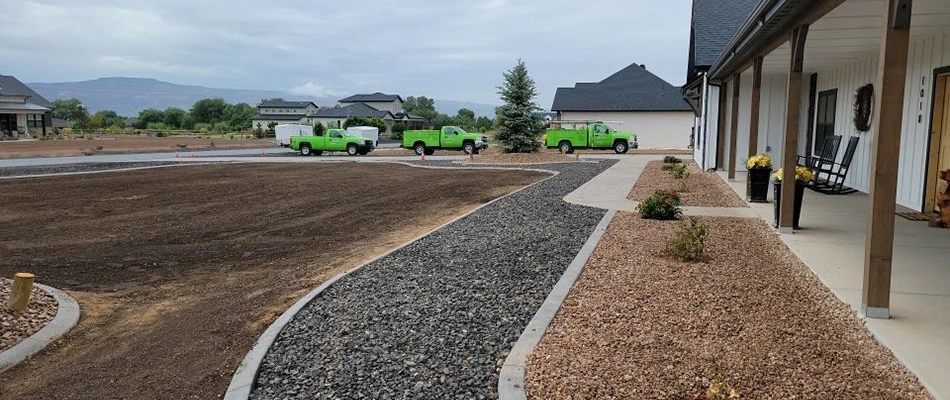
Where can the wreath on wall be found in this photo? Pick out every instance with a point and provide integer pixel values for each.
(863, 107)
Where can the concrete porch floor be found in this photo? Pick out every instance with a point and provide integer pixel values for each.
(831, 242)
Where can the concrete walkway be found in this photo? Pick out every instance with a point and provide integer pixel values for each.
(609, 190)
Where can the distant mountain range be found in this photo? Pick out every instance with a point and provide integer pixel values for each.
(128, 96)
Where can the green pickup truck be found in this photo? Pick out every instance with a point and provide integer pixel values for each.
(450, 137)
(332, 140)
(595, 136)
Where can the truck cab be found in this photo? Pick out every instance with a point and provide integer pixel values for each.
(595, 135)
(331, 140)
(449, 137)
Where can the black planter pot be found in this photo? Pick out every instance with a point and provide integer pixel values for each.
(757, 186)
(799, 196)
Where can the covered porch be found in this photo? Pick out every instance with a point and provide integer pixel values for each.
(831, 242)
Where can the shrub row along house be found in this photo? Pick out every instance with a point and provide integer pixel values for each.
(388, 107)
(781, 77)
(633, 99)
(23, 112)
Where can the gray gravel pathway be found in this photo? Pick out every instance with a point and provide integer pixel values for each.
(436, 319)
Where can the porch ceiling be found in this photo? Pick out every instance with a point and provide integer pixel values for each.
(852, 32)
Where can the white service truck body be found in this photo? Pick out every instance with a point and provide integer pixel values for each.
(369, 132)
(285, 131)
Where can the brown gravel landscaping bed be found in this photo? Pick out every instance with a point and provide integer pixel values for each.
(639, 324)
(14, 327)
(704, 189)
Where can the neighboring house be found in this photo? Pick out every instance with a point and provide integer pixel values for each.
(282, 112)
(788, 75)
(335, 116)
(379, 101)
(411, 121)
(22, 111)
(633, 100)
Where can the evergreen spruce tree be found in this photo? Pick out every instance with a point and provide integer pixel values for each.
(518, 125)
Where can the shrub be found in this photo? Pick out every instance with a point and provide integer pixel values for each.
(663, 205)
(689, 241)
(319, 129)
(679, 171)
(672, 160)
(397, 131)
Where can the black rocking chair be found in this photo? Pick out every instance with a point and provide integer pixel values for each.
(836, 173)
(825, 158)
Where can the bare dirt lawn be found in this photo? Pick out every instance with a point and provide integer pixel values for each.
(641, 325)
(178, 270)
(119, 145)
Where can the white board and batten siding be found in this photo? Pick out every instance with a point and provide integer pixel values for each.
(925, 55)
(654, 130)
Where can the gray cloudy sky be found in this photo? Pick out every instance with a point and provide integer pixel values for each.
(447, 49)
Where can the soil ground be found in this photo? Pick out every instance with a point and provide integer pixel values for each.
(178, 270)
(119, 145)
(699, 188)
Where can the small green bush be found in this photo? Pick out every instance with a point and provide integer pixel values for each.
(663, 205)
(689, 241)
(679, 171)
(397, 131)
(672, 160)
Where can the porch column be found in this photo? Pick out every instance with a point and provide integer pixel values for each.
(734, 129)
(793, 105)
(721, 127)
(885, 154)
(756, 101)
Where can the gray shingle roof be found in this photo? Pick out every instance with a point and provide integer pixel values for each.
(278, 117)
(350, 110)
(715, 22)
(10, 86)
(285, 104)
(630, 89)
(372, 98)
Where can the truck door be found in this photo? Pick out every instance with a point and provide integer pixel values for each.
(335, 141)
(601, 136)
(451, 138)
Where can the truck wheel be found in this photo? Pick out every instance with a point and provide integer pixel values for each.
(565, 147)
(420, 149)
(429, 152)
(621, 147)
(468, 148)
(305, 150)
(352, 150)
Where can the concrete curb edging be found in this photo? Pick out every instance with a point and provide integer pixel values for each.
(511, 378)
(246, 373)
(67, 315)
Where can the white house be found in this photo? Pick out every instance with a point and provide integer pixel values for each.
(335, 116)
(23, 112)
(634, 100)
(282, 112)
(789, 74)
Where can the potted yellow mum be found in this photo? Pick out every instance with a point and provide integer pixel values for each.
(757, 185)
(803, 175)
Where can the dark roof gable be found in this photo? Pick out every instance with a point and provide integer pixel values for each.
(285, 104)
(630, 89)
(714, 23)
(349, 110)
(372, 98)
(10, 86)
